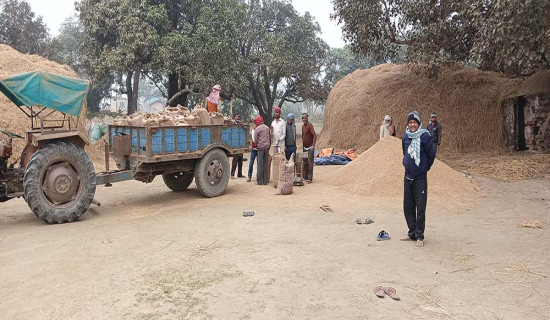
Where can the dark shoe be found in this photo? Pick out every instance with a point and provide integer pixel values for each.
(383, 235)
(245, 159)
(240, 176)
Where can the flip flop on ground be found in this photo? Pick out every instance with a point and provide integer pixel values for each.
(379, 291)
(391, 292)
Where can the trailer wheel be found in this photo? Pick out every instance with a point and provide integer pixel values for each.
(212, 173)
(179, 181)
(59, 182)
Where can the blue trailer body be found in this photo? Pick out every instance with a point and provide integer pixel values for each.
(154, 144)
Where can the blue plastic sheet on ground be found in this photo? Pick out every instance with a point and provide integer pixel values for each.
(332, 160)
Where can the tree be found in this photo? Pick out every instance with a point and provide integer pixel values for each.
(282, 56)
(200, 48)
(510, 36)
(342, 61)
(121, 36)
(21, 29)
(65, 49)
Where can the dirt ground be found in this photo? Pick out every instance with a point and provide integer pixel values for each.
(149, 253)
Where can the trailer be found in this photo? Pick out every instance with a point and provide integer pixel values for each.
(178, 153)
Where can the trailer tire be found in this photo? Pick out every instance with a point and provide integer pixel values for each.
(212, 173)
(178, 181)
(67, 170)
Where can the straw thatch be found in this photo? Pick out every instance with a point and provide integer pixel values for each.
(467, 101)
(13, 62)
(538, 83)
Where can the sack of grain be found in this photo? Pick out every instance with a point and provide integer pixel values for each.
(216, 118)
(151, 122)
(166, 121)
(184, 111)
(276, 160)
(135, 121)
(181, 123)
(192, 120)
(202, 114)
(286, 177)
(227, 120)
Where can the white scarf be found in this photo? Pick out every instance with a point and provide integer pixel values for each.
(414, 147)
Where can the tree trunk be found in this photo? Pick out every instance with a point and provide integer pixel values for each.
(173, 88)
(133, 103)
(129, 90)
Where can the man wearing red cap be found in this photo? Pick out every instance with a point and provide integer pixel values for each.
(279, 131)
(262, 138)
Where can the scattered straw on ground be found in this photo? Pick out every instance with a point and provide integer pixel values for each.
(502, 166)
(532, 224)
(467, 102)
(379, 172)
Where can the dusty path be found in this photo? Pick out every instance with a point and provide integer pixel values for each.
(136, 256)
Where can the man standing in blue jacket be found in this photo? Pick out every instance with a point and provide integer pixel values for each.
(418, 157)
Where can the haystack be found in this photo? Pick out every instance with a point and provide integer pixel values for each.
(13, 62)
(467, 101)
(379, 172)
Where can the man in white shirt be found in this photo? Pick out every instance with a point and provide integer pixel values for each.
(278, 127)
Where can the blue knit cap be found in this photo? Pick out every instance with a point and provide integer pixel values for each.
(414, 115)
(290, 116)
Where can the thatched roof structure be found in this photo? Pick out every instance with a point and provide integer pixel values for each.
(538, 83)
(467, 101)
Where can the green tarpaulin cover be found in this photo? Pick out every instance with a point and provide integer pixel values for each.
(52, 91)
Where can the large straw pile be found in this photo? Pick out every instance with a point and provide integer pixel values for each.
(13, 62)
(467, 102)
(379, 172)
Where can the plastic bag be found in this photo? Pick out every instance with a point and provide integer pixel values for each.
(97, 131)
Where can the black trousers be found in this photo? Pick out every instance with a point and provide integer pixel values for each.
(261, 173)
(237, 162)
(308, 165)
(415, 197)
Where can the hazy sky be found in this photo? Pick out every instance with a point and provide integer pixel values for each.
(55, 12)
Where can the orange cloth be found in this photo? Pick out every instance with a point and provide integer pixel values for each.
(211, 107)
(327, 152)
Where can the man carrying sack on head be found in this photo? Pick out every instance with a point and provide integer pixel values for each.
(309, 137)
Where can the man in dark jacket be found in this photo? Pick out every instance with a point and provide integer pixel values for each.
(418, 157)
(238, 158)
(262, 138)
(290, 137)
(435, 131)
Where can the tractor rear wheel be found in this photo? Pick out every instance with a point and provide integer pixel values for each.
(59, 182)
(179, 181)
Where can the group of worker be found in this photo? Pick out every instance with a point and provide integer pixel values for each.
(419, 152)
(280, 136)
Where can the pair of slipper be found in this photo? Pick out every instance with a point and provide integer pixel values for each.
(248, 213)
(368, 221)
(382, 291)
